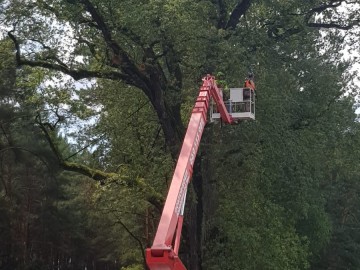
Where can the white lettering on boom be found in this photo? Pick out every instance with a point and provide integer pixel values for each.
(187, 173)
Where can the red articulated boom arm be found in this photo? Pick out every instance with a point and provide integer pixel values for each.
(163, 255)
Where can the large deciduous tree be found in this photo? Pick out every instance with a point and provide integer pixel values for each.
(162, 48)
(154, 45)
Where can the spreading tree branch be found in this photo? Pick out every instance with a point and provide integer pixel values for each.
(239, 11)
(147, 76)
(329, 25)
(153, 197)
(77, 74)
(325, 6)
(308, 15)
(122, 59)
(334, 25)
(129, 72)
(125, 63)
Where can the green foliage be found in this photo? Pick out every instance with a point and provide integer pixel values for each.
(270, 176)
(249, 230)
(282, 192)
(7, 68)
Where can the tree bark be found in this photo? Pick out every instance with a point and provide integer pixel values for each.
(196, 222)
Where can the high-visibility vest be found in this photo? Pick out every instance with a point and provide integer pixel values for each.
(249, 84)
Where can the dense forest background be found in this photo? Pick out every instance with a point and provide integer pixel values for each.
(94, 99)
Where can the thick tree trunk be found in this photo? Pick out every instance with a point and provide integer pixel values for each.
(169, 116)
(169, 126)
(191, 254)
(196, 219)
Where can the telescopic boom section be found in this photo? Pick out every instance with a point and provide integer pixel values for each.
(163, 255)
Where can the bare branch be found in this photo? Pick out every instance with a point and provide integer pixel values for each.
(85, 147)
(49, 57)
(41, 43)
(135, 238)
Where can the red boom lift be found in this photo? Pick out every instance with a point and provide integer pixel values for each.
(163, 255)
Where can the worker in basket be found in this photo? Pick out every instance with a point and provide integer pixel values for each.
(249, 87)
(249, 91)
(249, 82)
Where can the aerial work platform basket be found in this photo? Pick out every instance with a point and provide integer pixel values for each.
(240, 105)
